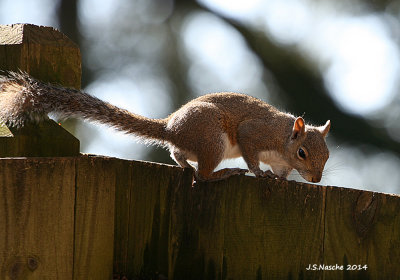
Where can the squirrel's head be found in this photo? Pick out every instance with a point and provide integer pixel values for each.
(308, 149)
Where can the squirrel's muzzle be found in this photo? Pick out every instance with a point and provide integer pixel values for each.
(316, 177)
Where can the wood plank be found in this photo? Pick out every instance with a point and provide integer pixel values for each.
(37, 218)
(198, 232)
(240, 228)
(273, 229)
(123, 189)
(362, 228)
(142, 248)
(94, 217)
(246, 228)
(149, 224)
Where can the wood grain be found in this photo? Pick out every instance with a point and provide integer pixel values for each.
(94, 218)
(245, 228)
(248, 228)
(123, 187)
(143, 216)
(37, 218)
(87, 217)
(43, 52)
(362, 228)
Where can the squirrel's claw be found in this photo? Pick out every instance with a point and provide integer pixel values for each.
(239, 171)
(270, 174)
(267, 174)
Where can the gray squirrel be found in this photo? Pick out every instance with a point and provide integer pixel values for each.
(206, 130)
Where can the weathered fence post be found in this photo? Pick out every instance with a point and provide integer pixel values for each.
(37, 209)
(56, 211)
(50, 56)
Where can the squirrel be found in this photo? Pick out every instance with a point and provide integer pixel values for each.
(206, 130)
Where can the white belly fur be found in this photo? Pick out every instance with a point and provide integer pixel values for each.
(272, 158)
(231, 151)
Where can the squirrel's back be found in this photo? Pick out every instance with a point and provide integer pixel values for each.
(237, 105)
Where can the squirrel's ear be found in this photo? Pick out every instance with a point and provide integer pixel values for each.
(325, 129)
(298, 128)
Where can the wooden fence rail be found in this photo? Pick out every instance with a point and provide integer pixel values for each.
(69, 216)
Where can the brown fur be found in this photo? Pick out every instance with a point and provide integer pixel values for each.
(206, 130)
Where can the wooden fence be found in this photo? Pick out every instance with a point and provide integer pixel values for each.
(64, 215)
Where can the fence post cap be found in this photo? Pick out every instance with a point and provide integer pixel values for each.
(50, 56)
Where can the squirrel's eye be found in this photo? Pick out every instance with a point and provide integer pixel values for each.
(301, 153)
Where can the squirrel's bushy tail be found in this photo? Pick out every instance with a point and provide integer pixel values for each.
(23, 98)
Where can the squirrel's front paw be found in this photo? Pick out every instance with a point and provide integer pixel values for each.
(239, 171)
(266, 174)
(270, 174)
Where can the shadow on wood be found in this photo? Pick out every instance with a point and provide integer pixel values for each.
(248, 228)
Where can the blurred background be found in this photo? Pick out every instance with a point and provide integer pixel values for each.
(327, 59)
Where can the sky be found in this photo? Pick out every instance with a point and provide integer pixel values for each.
(361, 79)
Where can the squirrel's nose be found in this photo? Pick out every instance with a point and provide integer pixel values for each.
(316, 178)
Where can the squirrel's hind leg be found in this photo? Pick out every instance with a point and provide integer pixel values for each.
(206, 168)
(221, 174)
(209, 160)
(180, 158)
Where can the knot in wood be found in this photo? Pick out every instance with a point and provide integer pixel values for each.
(32, 263)
(365, 212)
